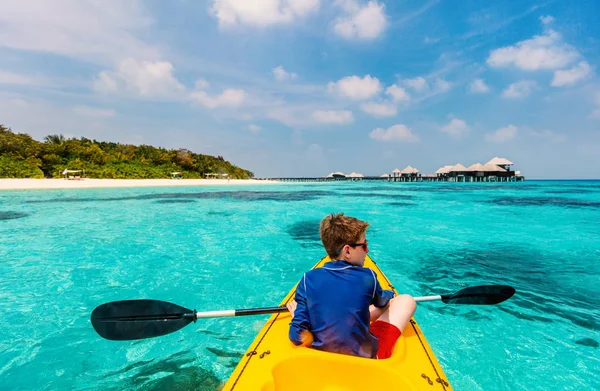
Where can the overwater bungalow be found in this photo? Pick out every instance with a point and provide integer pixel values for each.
(336, 175)
(355, 176)
(409, 174)
(457, 173)
(442, 172)
(501, 162)
(496, 170)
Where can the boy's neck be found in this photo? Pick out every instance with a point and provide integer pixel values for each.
(353, 263)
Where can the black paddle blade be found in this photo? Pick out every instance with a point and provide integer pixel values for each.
(483, 294)
(138, 319)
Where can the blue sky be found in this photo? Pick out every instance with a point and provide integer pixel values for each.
(307, 87)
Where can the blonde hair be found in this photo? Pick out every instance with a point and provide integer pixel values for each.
(338, 230)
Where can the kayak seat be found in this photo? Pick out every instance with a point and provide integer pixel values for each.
(321, 371)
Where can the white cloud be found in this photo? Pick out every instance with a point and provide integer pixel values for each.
(419, 84)
(540, 52)
(362, 22)
(478, 86)
(254, 128)
(427, 87)
(547, 19)
(442, 85)
(397, 93)
(98, 31)
(15, 78)
(382, 109)
(281, 75)
(568, 77)
(456, 128)
(93, 112)
(549, 135)
(519, 89)
(357, 88)
(202, 84)
(105, 83)
(260, 13)
(394, 133)
(503, 134)
(144, 78)
(228, 98)
(294, 117)
(338, 117)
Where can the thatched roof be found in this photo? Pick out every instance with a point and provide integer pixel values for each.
(337, 173)
(396, 170)
(410, 170)
(355, 175)
(458, 168)
(493, 168)
(500, 161)
(384, 175)
(444, 170)
(476, 167)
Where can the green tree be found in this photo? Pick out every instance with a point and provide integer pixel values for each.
(55, 139)
(24, 157)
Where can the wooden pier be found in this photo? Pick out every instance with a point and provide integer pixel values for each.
(496, 170)
(422, 178)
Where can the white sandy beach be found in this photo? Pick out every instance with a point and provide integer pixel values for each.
(23, 184)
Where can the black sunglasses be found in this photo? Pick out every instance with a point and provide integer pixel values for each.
(365, 246)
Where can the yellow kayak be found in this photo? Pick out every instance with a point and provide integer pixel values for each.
(273, 363)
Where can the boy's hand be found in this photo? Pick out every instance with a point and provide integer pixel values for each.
(291, 306)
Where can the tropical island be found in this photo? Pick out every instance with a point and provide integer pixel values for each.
(21, 156)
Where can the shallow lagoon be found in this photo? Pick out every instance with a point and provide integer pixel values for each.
(63, 252)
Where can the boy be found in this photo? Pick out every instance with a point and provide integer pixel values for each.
(335, 303)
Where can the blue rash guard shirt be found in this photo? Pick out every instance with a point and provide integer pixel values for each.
(333, 304)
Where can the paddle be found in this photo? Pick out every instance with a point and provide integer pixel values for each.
(138, 319)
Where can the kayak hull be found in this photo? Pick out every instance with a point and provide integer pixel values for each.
(273, 363)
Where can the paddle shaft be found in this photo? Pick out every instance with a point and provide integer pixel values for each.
(427, 298)
(251, 311)
(273, 310)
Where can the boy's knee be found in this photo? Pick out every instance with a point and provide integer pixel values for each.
(405, 303)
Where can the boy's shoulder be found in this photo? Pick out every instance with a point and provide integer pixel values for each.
(339, 266)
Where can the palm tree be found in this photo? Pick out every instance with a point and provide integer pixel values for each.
(55, 139)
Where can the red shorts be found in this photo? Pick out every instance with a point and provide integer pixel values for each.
(387, 334)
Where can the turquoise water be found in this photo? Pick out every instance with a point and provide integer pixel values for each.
(63, 252)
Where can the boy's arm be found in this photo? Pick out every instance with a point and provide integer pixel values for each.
(300, 325)
(381, 297)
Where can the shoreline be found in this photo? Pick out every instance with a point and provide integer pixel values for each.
(39, 184)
